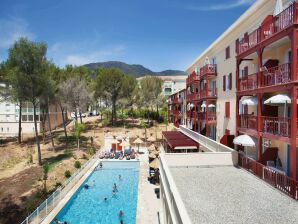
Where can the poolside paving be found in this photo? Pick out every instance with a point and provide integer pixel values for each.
(148, 204)
(226, 194)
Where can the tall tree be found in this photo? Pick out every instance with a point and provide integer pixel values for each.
(109, 82)
(28, 59)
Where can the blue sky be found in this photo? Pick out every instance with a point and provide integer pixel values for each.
(159, 34)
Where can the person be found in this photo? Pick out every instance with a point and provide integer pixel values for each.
(105, 199)
(114, 193)
(121, 214)
(100, 164)
(120, 178)
(93, 183)
(56, 221)
(86, 186)
(115, 187)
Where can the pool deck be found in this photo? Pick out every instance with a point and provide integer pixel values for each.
(148, 204)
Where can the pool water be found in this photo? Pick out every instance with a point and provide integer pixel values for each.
(88, 205)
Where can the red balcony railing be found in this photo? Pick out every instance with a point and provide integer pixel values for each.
(282, 182)
(192, 96)
(271, 26)
(249, 82)
(277, 126)
(248, 121)
(211, 117)
(208, 70)
(277, 75)
(208, 93)
(192, 78)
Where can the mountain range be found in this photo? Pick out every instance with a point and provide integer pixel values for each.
(133, 69)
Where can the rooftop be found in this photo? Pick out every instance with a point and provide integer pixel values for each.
(227, 194)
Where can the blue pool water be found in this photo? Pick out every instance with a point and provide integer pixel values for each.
(88, 205)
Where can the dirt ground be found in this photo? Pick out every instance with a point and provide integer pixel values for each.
(21, 181)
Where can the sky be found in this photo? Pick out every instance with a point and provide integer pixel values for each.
(158, 34)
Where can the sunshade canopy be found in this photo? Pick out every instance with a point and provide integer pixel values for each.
(211, 105)
(278, 99)
(138, 141)
(250, 101)
(177, 140)
(244, 140)
(154, 164)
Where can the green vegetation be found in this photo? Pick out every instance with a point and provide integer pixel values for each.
(77, 164)
(67, 174)
(46, 169)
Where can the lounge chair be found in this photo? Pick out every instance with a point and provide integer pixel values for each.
(133, 156)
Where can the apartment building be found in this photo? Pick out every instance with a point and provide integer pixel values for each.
(9, 119)
(245, 82)
(177, 108)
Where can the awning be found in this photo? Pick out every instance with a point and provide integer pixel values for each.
(250, 101)
(177, 140)
(278, 99)
(244, 140)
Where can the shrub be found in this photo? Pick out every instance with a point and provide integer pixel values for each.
(67, 174)
(58, 184)
(77, 164)
(91, 151)
(30, 159)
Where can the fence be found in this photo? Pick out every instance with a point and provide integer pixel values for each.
(52, 201)
(205, 141)
(286, 184)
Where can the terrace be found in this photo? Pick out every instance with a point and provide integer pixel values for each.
(208, 93)
(268, 30)
(208, 71)
(277, 75)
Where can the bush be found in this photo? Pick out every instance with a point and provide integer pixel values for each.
(58, 184)
(77, 164)
(91, 151)
(67, 174)
(30, 159)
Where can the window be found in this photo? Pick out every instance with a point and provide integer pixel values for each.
(227, 110)
(24, 117)
(30, 117)
(224, 83)
(228, 52)
(230, 81)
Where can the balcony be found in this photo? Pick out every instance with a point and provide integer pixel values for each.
(192, 114)
(208, 71)
(193, 77)
(269, 28)
(208, 93)
(269, 77)
(192, 96)
(280, 126)
(210, 119)
(248, 121)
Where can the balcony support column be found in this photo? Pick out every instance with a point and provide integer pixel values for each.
(294, 133)
(238, 62)
(260, 65)
(259, 127)
(206, 119)
(293, 37)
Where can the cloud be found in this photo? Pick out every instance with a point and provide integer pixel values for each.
(219, 7)
(70, 53)
(11, 30)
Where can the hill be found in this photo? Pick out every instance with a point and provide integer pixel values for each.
(134, 69)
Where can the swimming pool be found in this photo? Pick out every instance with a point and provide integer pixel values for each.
(88, 205)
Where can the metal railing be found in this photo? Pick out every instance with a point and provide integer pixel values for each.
(43, 210)
(282, 182)
(205, 141)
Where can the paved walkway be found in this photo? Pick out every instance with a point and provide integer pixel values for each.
(148, 204)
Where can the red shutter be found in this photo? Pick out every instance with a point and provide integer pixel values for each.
(245, 71)
(227, 110)
(230, 81)
(224, 83)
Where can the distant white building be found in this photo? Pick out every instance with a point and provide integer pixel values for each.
(171, 84)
